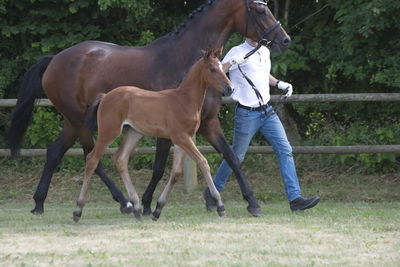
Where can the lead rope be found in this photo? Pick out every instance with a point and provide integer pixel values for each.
(256, 91)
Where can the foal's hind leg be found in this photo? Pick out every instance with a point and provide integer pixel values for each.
(54, 154)
(121, 159)
(86, 139)
(176, 173)
(92, 160)
(190, 148)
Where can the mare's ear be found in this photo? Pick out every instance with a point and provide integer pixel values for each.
(218, 52)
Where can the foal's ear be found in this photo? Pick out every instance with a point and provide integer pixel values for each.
(208, 53)
(212, 52)
(218, 52)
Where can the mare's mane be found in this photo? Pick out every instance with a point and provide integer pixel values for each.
(192, 15)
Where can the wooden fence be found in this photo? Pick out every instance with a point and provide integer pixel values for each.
(190, 168)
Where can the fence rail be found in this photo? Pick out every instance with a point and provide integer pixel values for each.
(190, 178)
(303, 98)
(358, 149)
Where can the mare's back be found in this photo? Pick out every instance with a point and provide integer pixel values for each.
(91, 67)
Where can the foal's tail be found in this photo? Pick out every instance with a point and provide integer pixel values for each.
(22, 114)
(91, 114)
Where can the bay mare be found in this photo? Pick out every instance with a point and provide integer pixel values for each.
(172, 114)
(72, 78)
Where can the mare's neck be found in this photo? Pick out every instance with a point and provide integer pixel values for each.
(210, 27)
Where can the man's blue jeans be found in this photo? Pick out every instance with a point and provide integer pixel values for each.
(247, 123)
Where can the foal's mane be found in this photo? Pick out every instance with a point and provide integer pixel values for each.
(192, 15)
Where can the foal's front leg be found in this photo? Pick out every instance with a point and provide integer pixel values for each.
(190, 148)
(176, 174)
(121, 159)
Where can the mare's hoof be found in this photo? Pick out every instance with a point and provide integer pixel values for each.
(146, 211)
(76, 216)
(128, 209)
(36, 211)
(221, 212)
(254, 211)
(155, 216)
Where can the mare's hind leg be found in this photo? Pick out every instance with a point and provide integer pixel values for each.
(86, 139)
(121, 159)
(190, 148)
(163, 147)
(54, 154)
(176, 174)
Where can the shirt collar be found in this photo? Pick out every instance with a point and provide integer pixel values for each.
(247, 46)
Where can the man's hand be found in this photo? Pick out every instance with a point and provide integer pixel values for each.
(286, 87)
(237, 60)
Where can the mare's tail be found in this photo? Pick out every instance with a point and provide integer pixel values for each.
(22, 114)
(91, 114)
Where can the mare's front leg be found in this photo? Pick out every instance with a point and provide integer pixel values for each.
(176, 174)
(211, 129)
(163, 147)
(186, 143)
(121, 159)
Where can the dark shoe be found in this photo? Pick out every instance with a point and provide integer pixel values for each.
(211, 204)
(301, 203)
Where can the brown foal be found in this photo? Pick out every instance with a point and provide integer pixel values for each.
(173, 114)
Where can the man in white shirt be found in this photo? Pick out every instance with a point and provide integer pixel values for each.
(253, 114)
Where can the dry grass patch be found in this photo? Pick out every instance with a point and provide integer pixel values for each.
(353, 234)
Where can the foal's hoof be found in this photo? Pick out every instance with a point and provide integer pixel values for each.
(128, 209)
(137, 214)
(254, 211)
(221, 211)
(76, 216)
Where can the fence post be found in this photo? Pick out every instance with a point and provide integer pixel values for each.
(189, 173)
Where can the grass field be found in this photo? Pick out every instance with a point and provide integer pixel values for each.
(357, 223)
(332, 234)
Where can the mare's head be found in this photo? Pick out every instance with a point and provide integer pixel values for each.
(213, 74)
(256, 21)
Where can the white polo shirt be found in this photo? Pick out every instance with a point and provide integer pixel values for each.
(257, 68)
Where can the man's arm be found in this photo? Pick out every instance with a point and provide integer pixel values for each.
(272, 80)
(286, 87)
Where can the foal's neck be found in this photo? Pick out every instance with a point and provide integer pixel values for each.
(193, 88)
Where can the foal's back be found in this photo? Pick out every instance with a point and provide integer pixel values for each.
(157, 114)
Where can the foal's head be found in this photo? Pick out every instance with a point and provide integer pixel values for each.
(213, 74)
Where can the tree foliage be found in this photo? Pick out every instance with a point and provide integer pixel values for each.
(338, 46)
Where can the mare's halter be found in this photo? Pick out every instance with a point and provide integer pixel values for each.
(263, 36)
